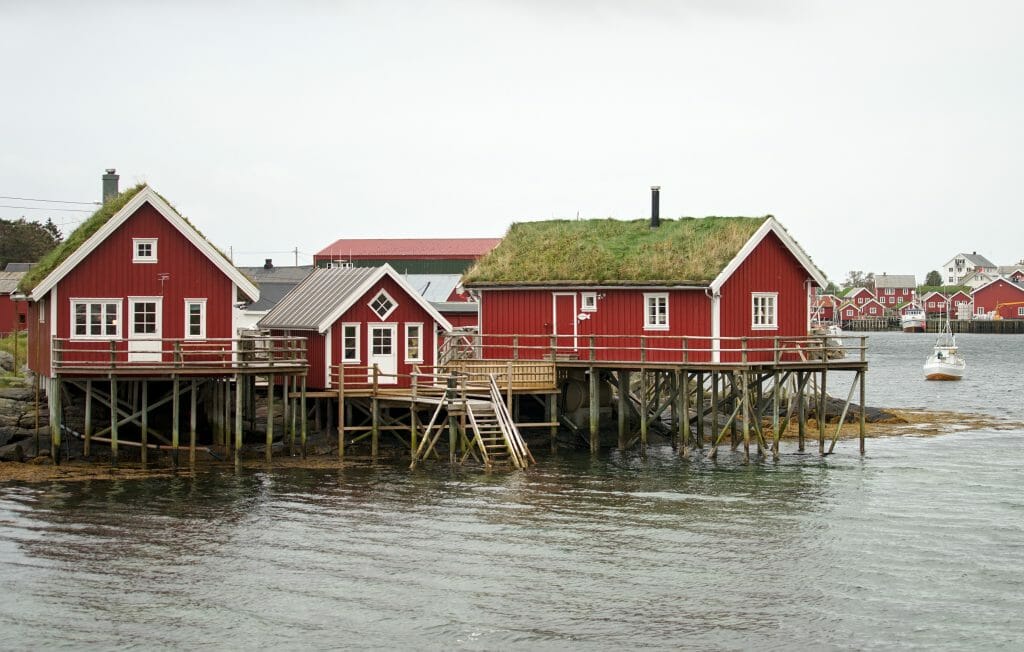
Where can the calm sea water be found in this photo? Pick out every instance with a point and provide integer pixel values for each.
(918, 544)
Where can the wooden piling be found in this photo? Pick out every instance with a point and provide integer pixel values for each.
(193, 400)
(270, 417)
(175, 419)
(302, 409)
(776, 435)
(341, 412)
(240, 411)
(623, 390)
(144, 448)
(699, 404)
(595, 412)
(55, 417)
(746, 416)
(87, 446)
(375, 433)
(113, 421)
(683, 398)
(552, 405)
(823, 402)
(644, 407)
(801, 409)
(863, 402)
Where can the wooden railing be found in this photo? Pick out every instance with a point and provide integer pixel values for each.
(165, 354)
(655, 348)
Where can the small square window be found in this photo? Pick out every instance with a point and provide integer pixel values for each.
(589, 301)
(383, 305)
(143, 250)
(764, 310)
(656, 311)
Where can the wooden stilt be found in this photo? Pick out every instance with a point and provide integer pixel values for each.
(552, 405)
(193, 400)
(341, 412)
(801, 410)
(683, 399)
(113, 421)
(699, 404)
(644, 407)
(302, 409)
(144, 449)
(375, 436)
(736, 397)
(716, 407)
(284, 416)
(595, 412)
(270, 417)
(746, 417)
(175, 419)
(240, 411)
(776, 435)
(821, 414)
(55, 418)
(863, 400)
(623, 389)
(226, 416)
(87, 446)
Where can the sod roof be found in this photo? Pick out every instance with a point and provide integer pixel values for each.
(684, 251)
(85, 230)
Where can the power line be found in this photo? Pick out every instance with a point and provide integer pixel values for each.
(46, 208)
(52, 201)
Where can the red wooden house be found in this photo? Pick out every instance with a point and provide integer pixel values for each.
(133, 276)
(609, 290)
(895, 290)
(362, 317)
(934, 304)
(961, 305)
(871, 309)
(859, 296)
(13, 312)
(826, 307)
(848, 312)
(1000, 298)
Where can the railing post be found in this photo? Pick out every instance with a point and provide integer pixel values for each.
(776, 351)
(515, 347)
(593, 344)
(643, 348)
(508, 388)
(554, 348)
(686, 352)
(743, 350)
(113, 354)
(177, 353)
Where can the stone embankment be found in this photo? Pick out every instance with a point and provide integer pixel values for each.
(18, 418)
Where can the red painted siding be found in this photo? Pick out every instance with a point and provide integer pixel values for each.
(1000, 291)
(770, 267)
(461, 319)
(39, 338)
(13, 315)
(109, 273)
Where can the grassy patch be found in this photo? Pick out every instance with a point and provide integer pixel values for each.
(19, 349)
(685, 250)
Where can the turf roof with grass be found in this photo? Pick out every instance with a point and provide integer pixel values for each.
(684, 251)
(78, 237)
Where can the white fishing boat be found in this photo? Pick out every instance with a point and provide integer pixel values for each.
(913, 319)
(945, 362)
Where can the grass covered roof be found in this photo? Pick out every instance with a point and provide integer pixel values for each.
(70, 245)
(681, 251)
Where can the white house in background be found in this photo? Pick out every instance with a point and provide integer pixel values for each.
(954, 269)
(975, 280)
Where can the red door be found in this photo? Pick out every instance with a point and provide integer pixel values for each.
(564, 320)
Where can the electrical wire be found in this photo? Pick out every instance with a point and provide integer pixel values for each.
(52, 201)
(46, 208)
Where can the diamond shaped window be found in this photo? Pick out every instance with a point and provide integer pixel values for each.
(383, 304)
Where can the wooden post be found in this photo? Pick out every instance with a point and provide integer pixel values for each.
(552, 404)
(302, 409)
(623, 377)
(683, 385)
(735, 396)
(240, 410)
(341, 411)
(143, 450)
(595, 412)
(698, 403)
(193, 400)
(375, 407)
(453, 424)
(821, 415)
(87, 448)
(863, 399)
(801, 409)
(776, 435)
(746, 417)
(113, 421)
(175, 419)
(226, 413)
(55, 415)
(643, 411)
(508, 387)
(270, 416)
(285, 398)
(715, 407)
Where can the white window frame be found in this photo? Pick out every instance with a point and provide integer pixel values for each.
(890, 290)
(41, 309)
(771, 324)
(588, 301)
(394, 304)
(344, 327)
(979, 310)
(118, 320)
(648, 298)
(136, 258)
(202, 319)
(408, 327)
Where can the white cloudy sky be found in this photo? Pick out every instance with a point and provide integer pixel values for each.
(886, 135)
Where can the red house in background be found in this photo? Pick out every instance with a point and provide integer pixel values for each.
(1001, 298)
(849, 312)
(960, 305)
(359, 316)
(406, 255)
(129, 278)
(762, 290)
(859, 296)
(895, 290)
(871, 309)
(13, 313)
(934, 304)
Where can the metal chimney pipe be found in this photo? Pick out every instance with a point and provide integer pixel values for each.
(655, 207)
(268, 263)
(110, 185)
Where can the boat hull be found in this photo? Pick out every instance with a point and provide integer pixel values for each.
(943, 371)
(913, 328)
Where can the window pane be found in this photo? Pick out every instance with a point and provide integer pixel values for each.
(95, 319)
(80, 319)
(412, 344)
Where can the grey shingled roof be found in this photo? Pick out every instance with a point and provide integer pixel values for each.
(895, 281)
(274, 283)
(9, 281)
(312, 301)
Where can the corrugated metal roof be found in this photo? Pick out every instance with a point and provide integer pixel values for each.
(411, 247)
(895, 281)
(9, 281)
(461, 307)
(313, 300)
(434, 287)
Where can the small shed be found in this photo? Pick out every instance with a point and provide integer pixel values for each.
(362, 317)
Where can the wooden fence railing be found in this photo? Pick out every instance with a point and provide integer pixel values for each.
(167, 354)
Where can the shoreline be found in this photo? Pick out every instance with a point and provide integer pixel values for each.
(909, 423)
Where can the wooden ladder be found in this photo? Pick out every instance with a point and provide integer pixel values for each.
(494, 432)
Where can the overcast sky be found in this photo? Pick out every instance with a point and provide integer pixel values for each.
(886, 136)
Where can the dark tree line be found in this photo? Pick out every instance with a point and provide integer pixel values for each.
(22, 241)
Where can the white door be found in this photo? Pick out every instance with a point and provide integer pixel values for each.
(145, 316)
(383, 353)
